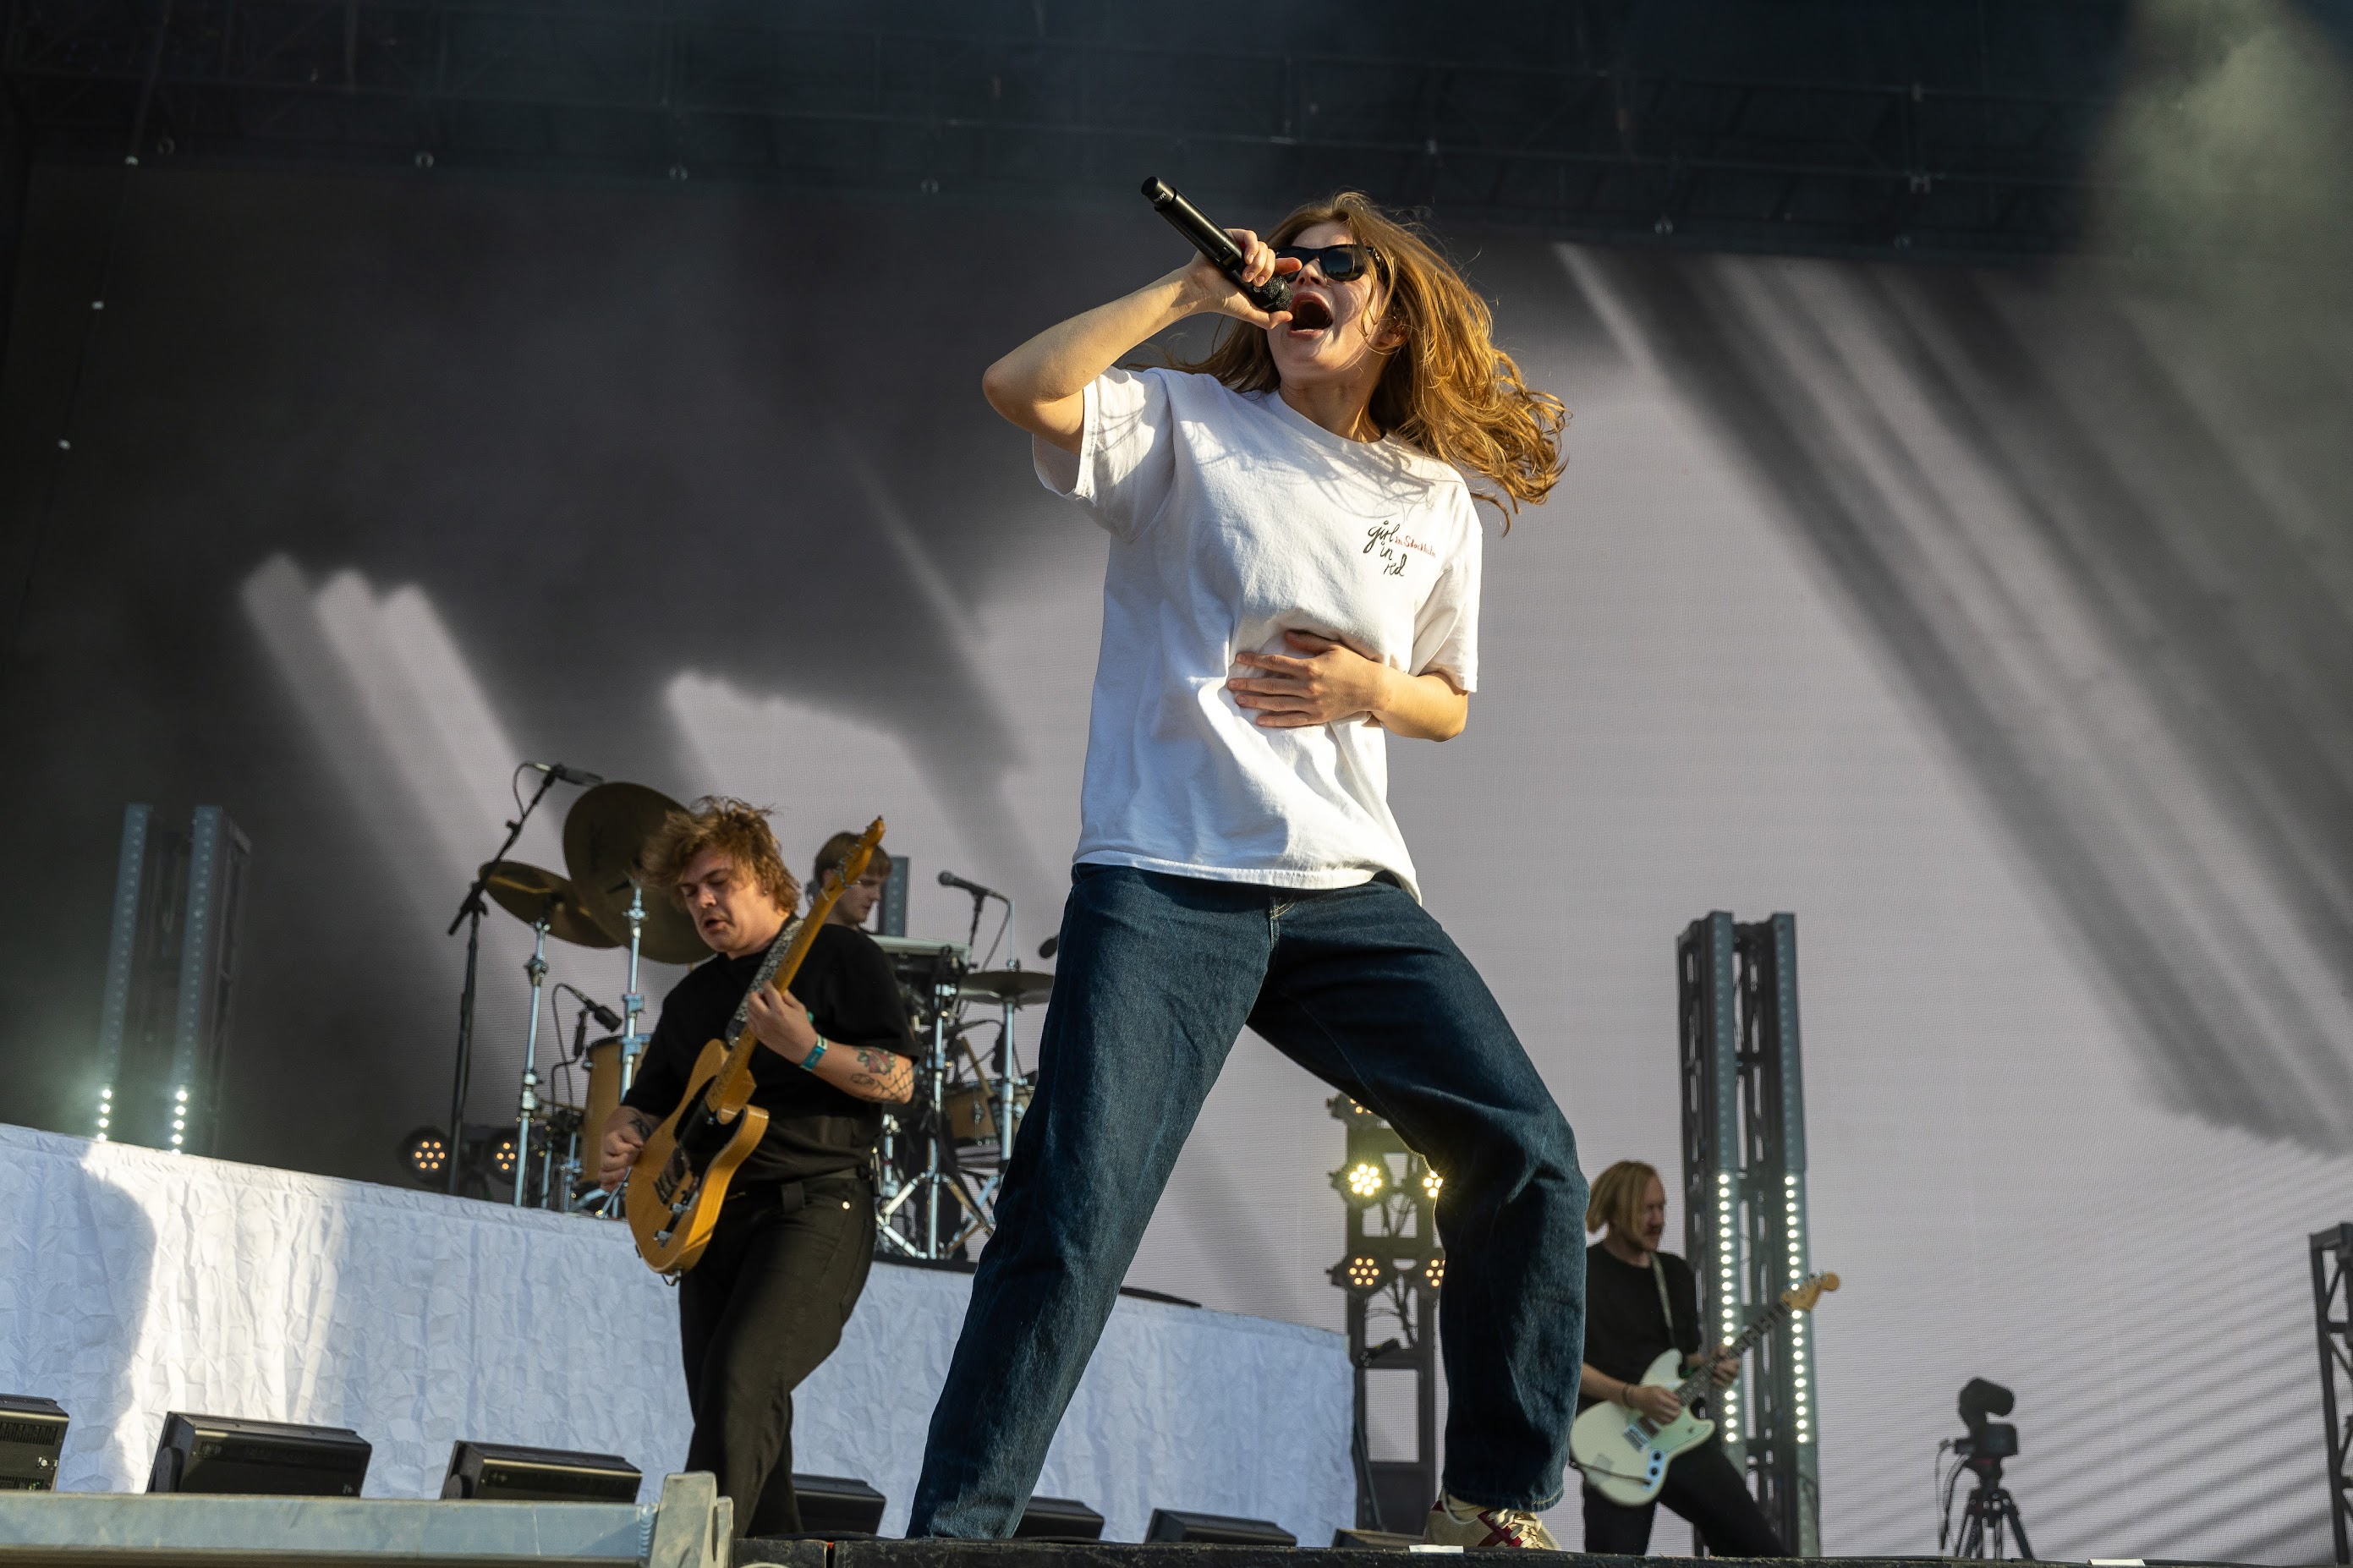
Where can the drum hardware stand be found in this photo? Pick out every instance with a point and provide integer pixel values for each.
(529, 1106)
(934, 1176)
(633, 1002)
(1005, 1083)
(470, 909)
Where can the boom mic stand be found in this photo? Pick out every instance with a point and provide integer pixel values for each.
(471, 911)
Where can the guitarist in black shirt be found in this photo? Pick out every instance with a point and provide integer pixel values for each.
(766, 1302)
(1626, 1327)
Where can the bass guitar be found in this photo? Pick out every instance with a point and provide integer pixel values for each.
(674, 1189)
(1625, 1453)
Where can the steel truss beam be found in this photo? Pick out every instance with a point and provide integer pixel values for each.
(1745, 1227)
(750, 94)
(2332, 1310)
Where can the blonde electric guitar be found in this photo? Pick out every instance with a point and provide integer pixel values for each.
(674, 1190)
(1625, 1454)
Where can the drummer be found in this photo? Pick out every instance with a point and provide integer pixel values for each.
(856, 904)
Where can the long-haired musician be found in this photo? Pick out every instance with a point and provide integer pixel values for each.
(1293, 578)
(1641, 1303)
(767, 1300)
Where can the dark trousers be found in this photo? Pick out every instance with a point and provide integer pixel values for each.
(1157, 976)
(1703, 1488)
(763, 1306)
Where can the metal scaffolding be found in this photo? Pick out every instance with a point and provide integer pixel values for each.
(1744, 1124)
(2332, 1311)
(1393, 1269)
(1913, 124)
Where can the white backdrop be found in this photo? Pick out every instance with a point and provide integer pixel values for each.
(132, 1283)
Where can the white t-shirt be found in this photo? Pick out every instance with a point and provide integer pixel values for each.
(1234, 519)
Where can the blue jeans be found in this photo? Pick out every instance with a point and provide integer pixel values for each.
(1157, 976)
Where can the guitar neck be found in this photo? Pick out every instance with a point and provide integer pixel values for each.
(734, 1084)
(1762, 1323)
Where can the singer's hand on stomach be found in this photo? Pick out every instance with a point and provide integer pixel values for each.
(1319, 682)
(782, 1024)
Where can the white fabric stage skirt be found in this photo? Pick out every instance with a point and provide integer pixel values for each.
(133, 1282)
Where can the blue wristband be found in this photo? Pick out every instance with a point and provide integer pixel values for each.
(817, 1055)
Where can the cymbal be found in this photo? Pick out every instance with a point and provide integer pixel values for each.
(532, 895)
(603, 835)
(1020, 986)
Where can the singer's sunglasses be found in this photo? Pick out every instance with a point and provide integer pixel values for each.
(1339, 263)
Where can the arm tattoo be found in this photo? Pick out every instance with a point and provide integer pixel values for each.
(883, 1076)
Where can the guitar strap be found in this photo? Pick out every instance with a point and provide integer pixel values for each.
(776, 950)
(1659, 1276)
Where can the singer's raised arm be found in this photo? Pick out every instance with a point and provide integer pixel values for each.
(1041, 385)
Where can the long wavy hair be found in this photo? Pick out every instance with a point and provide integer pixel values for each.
(1447, 389)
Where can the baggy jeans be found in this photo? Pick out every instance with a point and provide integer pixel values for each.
(1359, 986)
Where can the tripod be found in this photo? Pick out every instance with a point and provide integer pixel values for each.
(1989, 1511)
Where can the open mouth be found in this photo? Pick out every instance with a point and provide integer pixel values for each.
(1309, 313)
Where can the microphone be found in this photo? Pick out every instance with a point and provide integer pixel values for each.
(605, 1017)
(1215, 244)
(1050, 947)
(568, 775)
(950, 879)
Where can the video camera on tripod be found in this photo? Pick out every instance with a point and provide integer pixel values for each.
(1991, 1510)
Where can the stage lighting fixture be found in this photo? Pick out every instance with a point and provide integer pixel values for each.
(1362, 1180)
(425, 1153)
(1171, 1525)
(32, 1434)
(1430, 1182)
(1360, 1275)
(1058, 1519)
(261, 1458)
(1434, 1273)
(501, 1472)
(502, 1153)
(837, 1506)
(105, 1112)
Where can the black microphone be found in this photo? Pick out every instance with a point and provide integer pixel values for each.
(1050, 947)
(950, 879)
(568, 775)
(605, 1017)
(1215, 244)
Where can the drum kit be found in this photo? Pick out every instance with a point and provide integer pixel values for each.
(941, 1158)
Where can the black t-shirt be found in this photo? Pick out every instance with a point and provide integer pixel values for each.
(814, 1129)
(1624, 1331)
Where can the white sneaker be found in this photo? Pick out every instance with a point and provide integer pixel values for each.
(1453, 1523)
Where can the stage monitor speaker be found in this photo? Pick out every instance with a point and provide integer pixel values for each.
(32, 1434)
(837, 1505)
(1058, 1519)
(501, 1472)
(258, 1458)
(1169, 1525)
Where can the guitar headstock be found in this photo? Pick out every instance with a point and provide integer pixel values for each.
(853, 864)
(1803, 1298)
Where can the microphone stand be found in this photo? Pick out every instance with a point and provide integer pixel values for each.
(471, 911)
